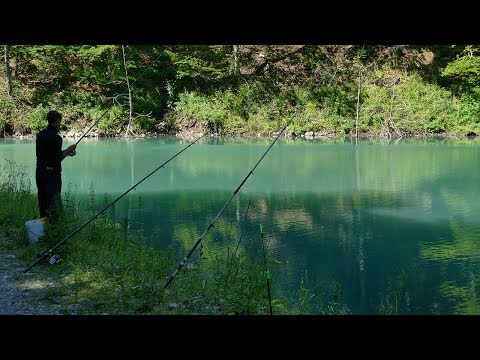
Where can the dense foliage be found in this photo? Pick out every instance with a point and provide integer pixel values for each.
(243, 89)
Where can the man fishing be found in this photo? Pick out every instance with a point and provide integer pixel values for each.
(48, 174)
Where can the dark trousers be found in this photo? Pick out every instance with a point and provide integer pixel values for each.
(49, 185)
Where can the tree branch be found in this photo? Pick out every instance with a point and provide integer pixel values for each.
(261, 68)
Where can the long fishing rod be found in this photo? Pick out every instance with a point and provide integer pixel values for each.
(267, 273)
(50, 251)
(223, 208)
(185, 259)
(101, 116)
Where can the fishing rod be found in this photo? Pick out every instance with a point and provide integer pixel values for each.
(185, 259)
(267, 273)
(224, 207)
(113, 103)
(50, 251)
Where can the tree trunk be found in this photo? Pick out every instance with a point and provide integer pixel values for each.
(7, 67)
(390, 116)
(236, 64)
(358, 106)
(129, 126)
(15, 71)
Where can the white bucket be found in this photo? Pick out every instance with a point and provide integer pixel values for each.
(35, 229)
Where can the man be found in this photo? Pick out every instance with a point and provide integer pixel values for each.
(49, 169)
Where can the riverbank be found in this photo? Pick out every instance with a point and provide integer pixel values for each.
(191, 129)
(22, 295)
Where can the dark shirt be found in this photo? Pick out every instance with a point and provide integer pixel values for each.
(49, 148)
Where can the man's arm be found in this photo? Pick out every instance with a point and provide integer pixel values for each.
(68, 150)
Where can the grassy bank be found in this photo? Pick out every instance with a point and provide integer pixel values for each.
(106, 269)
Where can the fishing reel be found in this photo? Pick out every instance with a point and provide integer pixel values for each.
(54, 259)
(73, 153)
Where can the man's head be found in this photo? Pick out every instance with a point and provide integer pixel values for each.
(54, 118)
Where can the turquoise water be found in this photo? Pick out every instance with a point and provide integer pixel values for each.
(358, 215)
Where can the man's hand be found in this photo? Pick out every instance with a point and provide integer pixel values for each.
(69, 151)
(71, 148)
